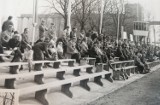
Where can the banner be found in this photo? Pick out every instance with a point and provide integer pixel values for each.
(124, 35)
(131, 37)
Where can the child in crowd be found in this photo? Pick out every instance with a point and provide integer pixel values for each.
(60, 50)
(28, 56)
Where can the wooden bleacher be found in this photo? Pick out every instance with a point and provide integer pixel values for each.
(10, 79)
(41, 87)
(123, 68)
(101, 71)
(41, 90)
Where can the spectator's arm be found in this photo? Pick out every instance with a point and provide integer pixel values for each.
(46, 51)
(5, 38)
(41, 28)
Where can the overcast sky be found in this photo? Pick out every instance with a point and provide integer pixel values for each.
(17, 7)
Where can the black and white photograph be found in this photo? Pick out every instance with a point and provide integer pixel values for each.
(79, 52)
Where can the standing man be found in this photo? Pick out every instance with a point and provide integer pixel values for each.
(51, 29)
(7, 23)
(42, 29)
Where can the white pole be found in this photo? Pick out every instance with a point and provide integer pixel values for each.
(101, 16)
(69, 15)
(35, 2)
(118, 26)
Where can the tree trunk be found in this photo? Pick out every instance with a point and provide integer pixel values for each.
(82, 26)
(65, 21)
(12, 99)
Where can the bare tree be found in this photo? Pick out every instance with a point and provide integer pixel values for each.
(7, 98)
(61, 6)
(83, 11)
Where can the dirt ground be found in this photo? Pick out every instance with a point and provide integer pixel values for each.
(145, 91)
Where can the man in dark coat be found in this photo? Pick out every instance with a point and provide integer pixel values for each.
(119, 53)
(7, 23)
(38, 54)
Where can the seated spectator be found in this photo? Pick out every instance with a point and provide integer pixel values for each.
(82, 47)
(73, 33)
(17, 58)
(64, 43)
(41, 39)
(1, 52)
(119, 52)
(38, 52)
(66, 32)
(109, 52)
(25, 40)
(94, 36)
(53, 40)
(125, 52)
(72, 51)
(143, 60)
(96, 52)
(28, 56)
(15, 41)
(6, 36)
(53, 53)
(139, 63)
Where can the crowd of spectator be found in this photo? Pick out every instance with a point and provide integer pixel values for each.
(76, 45)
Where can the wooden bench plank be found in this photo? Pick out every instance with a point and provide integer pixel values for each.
(38, 75)
(124, 72)
(33, 62)
(91, 60)
(16, 76)
(35, 88)
(118, 62)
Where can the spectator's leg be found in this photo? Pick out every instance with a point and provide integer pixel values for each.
(1, 52)
(76, 56)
